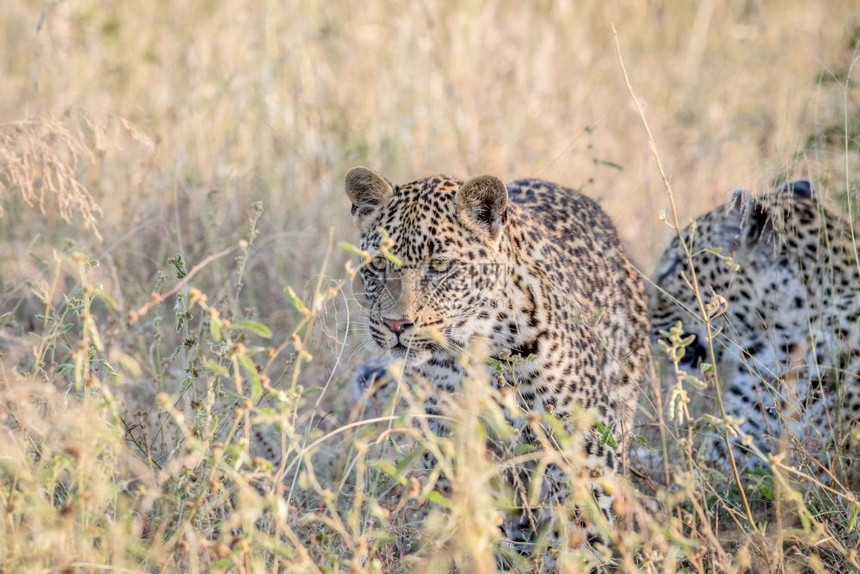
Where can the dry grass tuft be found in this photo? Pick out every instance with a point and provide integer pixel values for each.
(42, 160)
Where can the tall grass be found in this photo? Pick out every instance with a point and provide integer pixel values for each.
(177, 326)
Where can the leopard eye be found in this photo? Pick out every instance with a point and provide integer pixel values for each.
(440, 265)
(379, 263)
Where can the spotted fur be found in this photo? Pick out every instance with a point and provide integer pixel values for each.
(788, 345)
(534, 270)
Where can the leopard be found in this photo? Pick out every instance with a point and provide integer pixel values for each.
(530, 270)
(778, 275)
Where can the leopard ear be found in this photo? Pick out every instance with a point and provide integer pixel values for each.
(800, 187)
(749, 220)
(482, 205)
(368, 191)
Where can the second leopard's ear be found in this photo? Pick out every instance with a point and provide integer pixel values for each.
(748, 221)
(800, 187)
(482, 205)
(368, 191)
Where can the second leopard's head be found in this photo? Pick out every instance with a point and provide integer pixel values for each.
(437, 267)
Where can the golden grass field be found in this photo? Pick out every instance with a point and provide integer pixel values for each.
(135, 382)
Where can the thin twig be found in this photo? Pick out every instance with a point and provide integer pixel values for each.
(694, 280)
(134, 316)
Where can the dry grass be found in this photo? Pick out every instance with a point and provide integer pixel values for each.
(188, 413)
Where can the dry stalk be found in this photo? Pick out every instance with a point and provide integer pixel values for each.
(706, 317)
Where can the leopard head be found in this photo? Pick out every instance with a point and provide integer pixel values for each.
(437, 259)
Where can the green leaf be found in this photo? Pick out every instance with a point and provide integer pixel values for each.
(500, 368)
(268, 415)
(297, 303)
(179, 308)
(65, 369)
(109, 301)
(536, 483)
(350, 248)
(217, 368)
(438, 498)
(387, 467)
(393, 258)
(554, 424)
(694, 381)
(765, 488)
(385, 246)
(251, 369)
(109, 368)
(215, 328)
(223, 563)
(254, 327)
(606, 437)
(523, 449)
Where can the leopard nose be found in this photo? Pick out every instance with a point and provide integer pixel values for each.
(397, 326)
